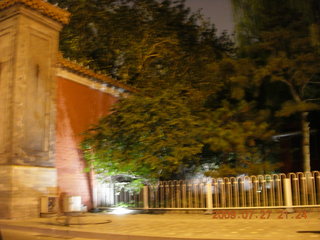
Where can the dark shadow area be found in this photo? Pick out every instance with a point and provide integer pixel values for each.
(316, 232)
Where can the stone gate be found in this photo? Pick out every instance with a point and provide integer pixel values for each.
(35, 159)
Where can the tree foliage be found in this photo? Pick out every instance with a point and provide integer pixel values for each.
(254, 16)
(198, 103)
(161, 136)
(149, 136)
(285, 51)
(141, 42)
(170, 55)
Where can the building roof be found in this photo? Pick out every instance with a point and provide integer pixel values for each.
(82, 70)
(40, 6)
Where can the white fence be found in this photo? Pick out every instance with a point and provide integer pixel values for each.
(274, 190)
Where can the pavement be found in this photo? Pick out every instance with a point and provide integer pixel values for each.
(249, 225)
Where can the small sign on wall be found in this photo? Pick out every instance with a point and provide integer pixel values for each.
(49, 204)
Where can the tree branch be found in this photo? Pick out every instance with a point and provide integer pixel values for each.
(294, 94)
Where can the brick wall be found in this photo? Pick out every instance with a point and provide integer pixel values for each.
(78, 106)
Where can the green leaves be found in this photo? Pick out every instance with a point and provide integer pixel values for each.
(141, 42)
(195, 95)
(150, 136)
(158, 136)
(282, 41)
(236, 127)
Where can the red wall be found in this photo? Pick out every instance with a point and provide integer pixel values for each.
(78, 107)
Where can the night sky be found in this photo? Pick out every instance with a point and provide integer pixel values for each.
(219, 12)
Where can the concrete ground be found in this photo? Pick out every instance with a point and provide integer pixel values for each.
(240, 225)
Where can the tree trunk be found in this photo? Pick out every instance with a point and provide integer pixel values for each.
(305, 142)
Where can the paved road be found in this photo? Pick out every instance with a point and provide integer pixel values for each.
(242, 225)
(10, 234)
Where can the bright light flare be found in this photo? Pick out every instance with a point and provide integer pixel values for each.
(121, 211)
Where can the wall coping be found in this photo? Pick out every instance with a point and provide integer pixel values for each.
(90, 74)
(47, 9)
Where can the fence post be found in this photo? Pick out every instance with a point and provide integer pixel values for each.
(145, 197)
(287, 193)
(209, 196)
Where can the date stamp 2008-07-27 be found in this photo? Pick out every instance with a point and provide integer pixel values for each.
(261, 214)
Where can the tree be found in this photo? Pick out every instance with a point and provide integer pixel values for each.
(184, 108)
(140, 42)
(161, 136)
(238, 128)
(182, 127)
(147, 136)
(298, 72)
(285, 52)
(251, 18)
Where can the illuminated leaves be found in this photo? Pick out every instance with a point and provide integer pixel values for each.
(160, 135)
(150, 136)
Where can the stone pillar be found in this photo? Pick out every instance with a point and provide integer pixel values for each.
(29, 35)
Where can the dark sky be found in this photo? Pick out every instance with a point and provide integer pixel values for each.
(219, 12)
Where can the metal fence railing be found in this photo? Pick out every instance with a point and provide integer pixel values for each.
(272, 190)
